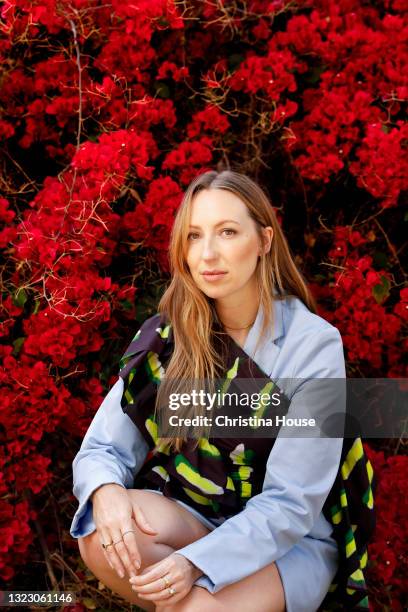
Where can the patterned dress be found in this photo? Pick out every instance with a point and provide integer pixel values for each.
(219, 475)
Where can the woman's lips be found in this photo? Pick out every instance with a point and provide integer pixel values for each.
(213, 276)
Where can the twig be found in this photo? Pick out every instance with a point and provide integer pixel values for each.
(390, 246)
(78, 56)
(40, 534)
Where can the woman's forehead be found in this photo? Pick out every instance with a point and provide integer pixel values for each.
(212, 206)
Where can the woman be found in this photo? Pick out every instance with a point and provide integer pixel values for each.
(160, 520)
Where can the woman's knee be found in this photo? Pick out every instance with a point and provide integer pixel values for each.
(91, 551)
(94, 558)
(175, 525)
(83, 545)
(198, 599)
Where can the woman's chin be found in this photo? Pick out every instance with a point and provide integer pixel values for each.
(214, 292)
(217, 295)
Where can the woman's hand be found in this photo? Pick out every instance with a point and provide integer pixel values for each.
(116, 518)
(155, 582)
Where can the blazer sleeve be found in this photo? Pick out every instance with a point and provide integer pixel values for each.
(300, 472)
(112, 451)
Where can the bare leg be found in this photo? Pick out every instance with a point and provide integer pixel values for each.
(261, 591)
(176, 528)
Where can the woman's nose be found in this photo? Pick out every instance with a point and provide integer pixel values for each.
(209, 251)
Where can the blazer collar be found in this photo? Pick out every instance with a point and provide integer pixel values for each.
(277, 330)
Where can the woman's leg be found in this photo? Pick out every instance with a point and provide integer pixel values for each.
(261, 591)
(176, 528)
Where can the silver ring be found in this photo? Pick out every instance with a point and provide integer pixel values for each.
(129, 531)
(121, 540)
(171, 591)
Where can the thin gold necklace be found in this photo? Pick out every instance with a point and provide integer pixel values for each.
(238, 328)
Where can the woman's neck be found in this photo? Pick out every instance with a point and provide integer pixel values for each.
(239, 337)
(238, 317)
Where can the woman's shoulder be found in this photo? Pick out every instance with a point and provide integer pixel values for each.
(298, 321)
(313, 345)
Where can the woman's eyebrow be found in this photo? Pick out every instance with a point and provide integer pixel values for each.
(217, 224)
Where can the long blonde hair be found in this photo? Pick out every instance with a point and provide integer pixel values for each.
(192, 314)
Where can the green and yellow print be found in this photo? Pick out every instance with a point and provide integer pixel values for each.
(191, 474)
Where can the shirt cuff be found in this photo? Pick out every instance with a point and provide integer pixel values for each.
(206, 583)
(208, 579)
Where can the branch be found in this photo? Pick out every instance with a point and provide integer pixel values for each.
(78, 59)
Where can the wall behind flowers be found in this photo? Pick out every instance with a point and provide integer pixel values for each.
(107, 111)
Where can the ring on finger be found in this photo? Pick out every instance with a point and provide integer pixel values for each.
(121, 540)
(129, 531)
(171, 591)
(166, 581)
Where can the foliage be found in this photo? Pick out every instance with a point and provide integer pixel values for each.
(108, 110)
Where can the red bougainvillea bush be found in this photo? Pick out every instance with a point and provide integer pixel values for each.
(108, 110)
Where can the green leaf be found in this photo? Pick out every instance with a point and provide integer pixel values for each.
(235, 60)
(89, 603)
(18, 343)
(313, 75)
(382, 290)
(20, 297)
(162, 90)
(36, 307)
(380, 259)
(163, 21)
(93, 138)
(127, 305)
(385, 128)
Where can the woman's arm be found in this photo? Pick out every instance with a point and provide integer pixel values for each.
(112, 451)
(299, 475)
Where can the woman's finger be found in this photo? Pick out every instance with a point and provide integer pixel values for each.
(104, 539)
(155, 586)
(129, 538)
(122, 552)
(152, 585)
(110, 553)
(166, 594)
(153, 572)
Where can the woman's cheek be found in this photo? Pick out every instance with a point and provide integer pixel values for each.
(244, 253)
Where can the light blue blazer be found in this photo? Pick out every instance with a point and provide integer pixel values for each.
(284, 523)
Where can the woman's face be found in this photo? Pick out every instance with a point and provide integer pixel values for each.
(223, 245)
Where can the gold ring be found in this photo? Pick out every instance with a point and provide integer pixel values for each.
(105, 546)
(171, 591)
(166, 581)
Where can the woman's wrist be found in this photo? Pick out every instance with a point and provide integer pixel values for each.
(198, 573)
(196, 570)
(105, 484)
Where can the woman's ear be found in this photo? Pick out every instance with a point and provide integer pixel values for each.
(267, 235)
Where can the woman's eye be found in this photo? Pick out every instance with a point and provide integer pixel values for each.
(194, 235)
